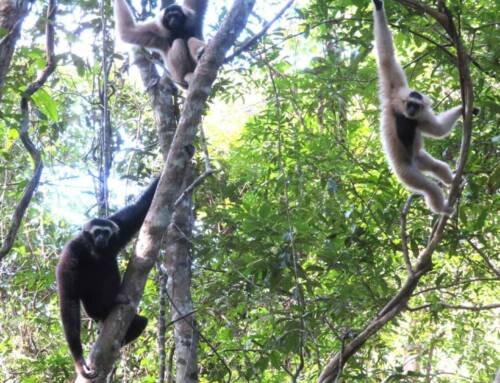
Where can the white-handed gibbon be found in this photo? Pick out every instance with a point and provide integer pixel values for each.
(177, 34)
(406, 117)
(87, 272)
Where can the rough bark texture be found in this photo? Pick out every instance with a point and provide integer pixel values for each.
(424, 261)
(106, 349)
(177, 245)
(178, 266)
(12, 14)
(161, 92)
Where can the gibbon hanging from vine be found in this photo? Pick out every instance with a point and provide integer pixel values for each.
(406, 117)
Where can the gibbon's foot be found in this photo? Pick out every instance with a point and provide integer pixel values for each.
(476, 111)
(378, 4)
(188, 77)
(84, 370)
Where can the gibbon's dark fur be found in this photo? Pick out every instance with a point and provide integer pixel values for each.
(177, 34)
(406, 117)
(87, 272)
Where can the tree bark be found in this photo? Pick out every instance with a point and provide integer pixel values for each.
(106, 349)
(12, 14)
(177, 245)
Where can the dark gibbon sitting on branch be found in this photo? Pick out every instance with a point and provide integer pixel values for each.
(87, 272)
(406, 117)
(176, 33)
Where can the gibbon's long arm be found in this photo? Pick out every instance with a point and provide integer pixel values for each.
(130, 218)
(70, 315)
(148, 34)
(199, 7)
(391, 74)
(441, 125)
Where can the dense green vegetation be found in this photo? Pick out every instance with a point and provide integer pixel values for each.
(297, 240)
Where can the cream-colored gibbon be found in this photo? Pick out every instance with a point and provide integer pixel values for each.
(176, 33)
(407, 116)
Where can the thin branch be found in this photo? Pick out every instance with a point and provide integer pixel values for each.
(467, 281)
(485, 257)
(477, 307)
(404, 235)
(30, 147)
(253, 40)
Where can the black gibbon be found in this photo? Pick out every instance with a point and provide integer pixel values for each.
(406, 117)
(177, 33)
(88, 272)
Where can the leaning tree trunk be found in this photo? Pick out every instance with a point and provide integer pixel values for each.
(12, 14)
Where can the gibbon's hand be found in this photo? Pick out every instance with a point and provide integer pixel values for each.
(84, 370)
(476, 111)
(378, 4)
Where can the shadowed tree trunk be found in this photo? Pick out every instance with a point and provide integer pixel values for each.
(12, 14)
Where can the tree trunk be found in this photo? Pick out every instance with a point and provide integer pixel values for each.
(12, 14)
(178, 265)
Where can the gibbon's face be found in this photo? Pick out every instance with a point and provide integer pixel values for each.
(99, 231)
(173, 18)
(413, 105)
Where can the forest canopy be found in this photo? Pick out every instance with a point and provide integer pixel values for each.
(284, 249)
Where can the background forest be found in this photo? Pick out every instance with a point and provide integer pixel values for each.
(296, 240)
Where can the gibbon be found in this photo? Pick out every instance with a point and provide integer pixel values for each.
(176, 33)
(87, 272)
(406, 117)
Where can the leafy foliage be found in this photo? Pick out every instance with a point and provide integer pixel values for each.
(297, 242)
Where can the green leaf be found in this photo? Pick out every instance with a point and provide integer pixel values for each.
(46, 104)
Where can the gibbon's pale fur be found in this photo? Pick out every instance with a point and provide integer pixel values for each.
(176, 33)
(406, 117)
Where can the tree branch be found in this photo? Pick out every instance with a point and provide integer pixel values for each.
(477, 307)
(253, 40)
(404, 235)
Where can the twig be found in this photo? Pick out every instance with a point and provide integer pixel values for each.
(477, 307)
(485, 257)
(423, 291)
(253, 40)
(404, 235)
(30, 147)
